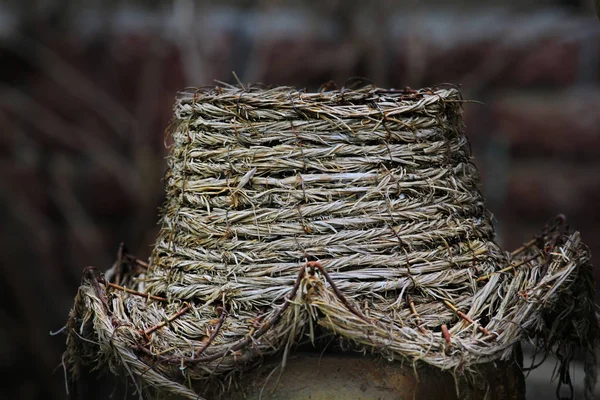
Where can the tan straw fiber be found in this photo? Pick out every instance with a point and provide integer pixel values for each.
(353, 215)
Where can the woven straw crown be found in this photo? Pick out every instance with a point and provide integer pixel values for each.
(352, 214)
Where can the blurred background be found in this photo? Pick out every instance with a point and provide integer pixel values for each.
(86, 89)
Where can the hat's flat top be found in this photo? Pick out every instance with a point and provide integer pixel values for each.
(343, 103)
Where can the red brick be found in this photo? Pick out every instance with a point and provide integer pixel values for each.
(304, 62)
(539, 190)
(564, 123)
(464, 63)
(543, 58)
(102, 194)
(549, 61)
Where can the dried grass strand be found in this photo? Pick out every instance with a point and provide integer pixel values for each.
(354, 210)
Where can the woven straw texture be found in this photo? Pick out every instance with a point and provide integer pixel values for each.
(348, 214)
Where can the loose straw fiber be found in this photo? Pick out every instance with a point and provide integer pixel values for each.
(352, 212)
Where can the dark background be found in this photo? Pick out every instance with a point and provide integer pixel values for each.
(86, 89)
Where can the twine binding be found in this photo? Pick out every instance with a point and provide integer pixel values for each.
(353, 214)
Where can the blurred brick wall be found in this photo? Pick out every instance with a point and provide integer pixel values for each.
(85, 96)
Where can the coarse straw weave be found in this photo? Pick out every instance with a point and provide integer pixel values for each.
(353, 214)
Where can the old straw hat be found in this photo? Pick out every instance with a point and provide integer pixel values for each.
(352, 215)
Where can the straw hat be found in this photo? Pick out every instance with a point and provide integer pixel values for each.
(347, 215)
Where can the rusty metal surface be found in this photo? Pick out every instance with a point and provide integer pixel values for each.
(353, 376)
